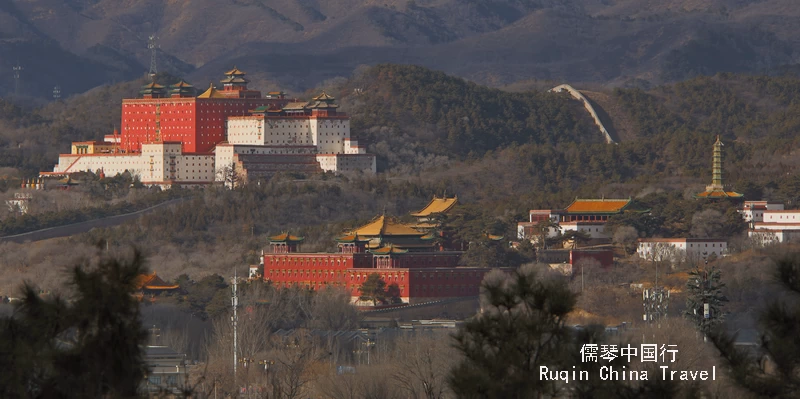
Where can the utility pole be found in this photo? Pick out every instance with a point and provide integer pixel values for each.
(235, 320)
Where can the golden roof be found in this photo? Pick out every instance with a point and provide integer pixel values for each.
(211, 93)
(323, 97)
(598, 205)
(152, 282)
(152, 85)
(285, 237)
(235, 79)
(181, 84)
(437, 205)
(719, 194)
(382, 225)
(391, 249)
(351, 238)
(235, 71)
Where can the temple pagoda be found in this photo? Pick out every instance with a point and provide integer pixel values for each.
(716, 189)
(383, 231)
(181, 89)
(153, 90)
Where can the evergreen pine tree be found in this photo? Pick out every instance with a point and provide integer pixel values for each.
(522, 327)
(373, 289)
(704, 287)
(84, 346)
(777, 373)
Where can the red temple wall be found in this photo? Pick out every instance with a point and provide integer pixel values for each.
(199, 123)
(349, 271)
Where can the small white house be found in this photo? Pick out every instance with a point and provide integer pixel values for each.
(681, 249)
(753, 211)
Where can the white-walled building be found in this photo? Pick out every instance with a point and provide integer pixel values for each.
(753, 211)
(595, 230)
(161, 164)
(585, 215)
(300, 128)
(776, 225)
(681, 249)
(305, 137)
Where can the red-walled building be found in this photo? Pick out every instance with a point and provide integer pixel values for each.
(174, 113)
(420, 276)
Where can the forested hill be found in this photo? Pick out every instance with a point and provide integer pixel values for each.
(534, 141)
(451, 116)
(532, 146)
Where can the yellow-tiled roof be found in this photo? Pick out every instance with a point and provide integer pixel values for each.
(437, 205)
(152, 282)
(323, 97)
(351, 238)
(719, 194)
(182, 83)
(598, 205)
(391, 249)
(153, 85)
(285, 237)
(211, 93)
(387, 227)
(235, 71)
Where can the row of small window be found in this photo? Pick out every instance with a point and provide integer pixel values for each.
(319, 285)
(587, 218)
(303, 261)
(337, 275)
(170, 380)
(305, 126)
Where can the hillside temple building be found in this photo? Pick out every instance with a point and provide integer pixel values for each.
(170, 136)
(584, 215)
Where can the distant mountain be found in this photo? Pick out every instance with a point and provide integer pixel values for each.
(296, 44)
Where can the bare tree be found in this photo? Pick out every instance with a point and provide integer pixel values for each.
(297, 362)
(625, 237)
(230, 176)
(423, 362)
(707, 223)
(331, 310)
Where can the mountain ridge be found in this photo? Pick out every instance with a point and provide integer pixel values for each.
(301, 43)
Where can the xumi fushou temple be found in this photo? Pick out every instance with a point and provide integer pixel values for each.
(405, 255)
(173, 135)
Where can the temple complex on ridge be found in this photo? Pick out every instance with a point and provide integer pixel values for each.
(400, 253)
(716, 189)
(170, 135)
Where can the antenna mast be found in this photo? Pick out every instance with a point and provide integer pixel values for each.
(56, 93)
(153, 46)
(17, 69)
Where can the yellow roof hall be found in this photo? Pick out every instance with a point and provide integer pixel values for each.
(211, 93)
(383, 226)
(437, 205)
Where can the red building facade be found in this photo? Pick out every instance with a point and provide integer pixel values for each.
(420, 276)
(175, 114)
